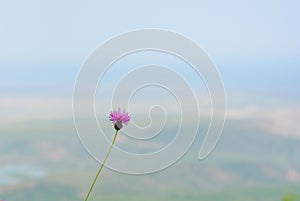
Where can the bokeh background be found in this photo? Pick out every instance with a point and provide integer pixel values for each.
(255, 46)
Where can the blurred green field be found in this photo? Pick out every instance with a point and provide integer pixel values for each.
(248, 165)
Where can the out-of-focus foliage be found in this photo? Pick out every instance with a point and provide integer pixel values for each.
(290, 197)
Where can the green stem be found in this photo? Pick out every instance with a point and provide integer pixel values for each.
(87, 196)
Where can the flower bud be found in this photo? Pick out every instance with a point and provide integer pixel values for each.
(118, 125)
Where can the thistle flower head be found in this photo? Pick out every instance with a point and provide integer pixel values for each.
(119, 118)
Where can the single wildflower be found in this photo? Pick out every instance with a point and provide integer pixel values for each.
(119, 118)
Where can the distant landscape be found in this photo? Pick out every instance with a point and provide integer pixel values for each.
(249, 164)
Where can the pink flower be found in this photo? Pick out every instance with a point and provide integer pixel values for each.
(119, 117)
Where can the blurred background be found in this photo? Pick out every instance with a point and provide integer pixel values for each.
(255, 46)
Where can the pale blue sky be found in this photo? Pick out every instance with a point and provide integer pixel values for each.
(255, 44)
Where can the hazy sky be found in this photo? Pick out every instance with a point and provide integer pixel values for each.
(255, 44)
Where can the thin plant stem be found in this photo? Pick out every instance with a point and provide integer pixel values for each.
(102, 165)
